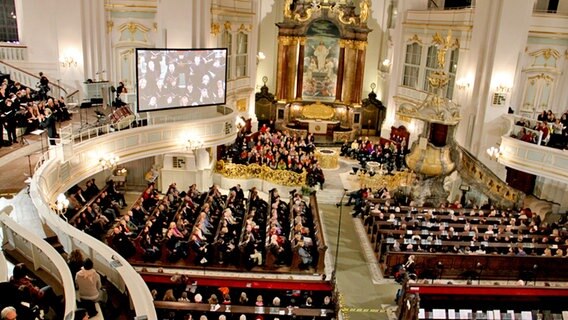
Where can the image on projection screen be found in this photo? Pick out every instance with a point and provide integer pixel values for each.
(178, 78)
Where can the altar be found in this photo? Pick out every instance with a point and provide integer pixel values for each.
(319, 126)
(332, 122)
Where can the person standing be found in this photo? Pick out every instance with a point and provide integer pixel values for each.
(48, 122)
(88, 283)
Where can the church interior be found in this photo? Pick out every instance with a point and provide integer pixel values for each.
(284, 159)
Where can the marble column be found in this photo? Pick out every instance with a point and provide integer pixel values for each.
(300, 73)
(291, 67)
(340, 71)
(349, 76)
(360, 47)
(280, 87)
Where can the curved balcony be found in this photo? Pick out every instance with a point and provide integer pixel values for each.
(70, 163)
(40, 254)
(533, 158)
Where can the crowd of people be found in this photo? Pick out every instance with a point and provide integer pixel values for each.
(28, 297)
(23, 107)
(453, 229)
(212, 228)
(279, 150)
(389, 155)
(554, 130)
(180, 291)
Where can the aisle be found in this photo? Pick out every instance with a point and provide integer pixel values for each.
(353, 275)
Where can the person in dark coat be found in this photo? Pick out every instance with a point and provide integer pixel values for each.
(48, 122)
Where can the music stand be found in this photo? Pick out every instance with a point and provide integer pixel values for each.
(39, 133)
(84, 105)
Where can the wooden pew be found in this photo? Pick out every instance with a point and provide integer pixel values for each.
(489, 266)
(238, 310)
(503, 299)
(318, 233)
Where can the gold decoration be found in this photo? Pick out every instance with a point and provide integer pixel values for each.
(415, 39)
(475, 171)
(288, 40)
(318, 111)
(110, 25)
(215, 28)
(443, 45)
(242, 105)
(542, 76)
(227, 25)
(431, 161)
(364, 11)
(341, 16)
(360, 45)
(547, 53)
(287, 11)
(308, 15)
(132, 28)
(327, 158)
(392, 182)
(241, 171)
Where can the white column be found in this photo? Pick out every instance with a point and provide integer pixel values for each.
(499, 36)
(95, 45)
(398, 54)
(184, 24)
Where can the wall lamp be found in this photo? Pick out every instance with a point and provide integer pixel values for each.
(193, 144)
(108, 161)
(61, 205)
(462, 84)
(494, 153)
(68, 62)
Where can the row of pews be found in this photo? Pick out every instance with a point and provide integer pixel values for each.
(464, 245)
(241, 237)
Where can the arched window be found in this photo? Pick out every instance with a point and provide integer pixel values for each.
(242, 55)
(412, 65)
(227, 42)
(8, 23)
(431, 66)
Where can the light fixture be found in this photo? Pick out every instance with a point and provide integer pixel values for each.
(68, 62)
(462, 84)
(260, 56)
(193, 144)
(108, 161)
(61, 205)
(501, 88)
(494, 153)
(384, 68)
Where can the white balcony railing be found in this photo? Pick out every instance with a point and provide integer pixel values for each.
(77, 159)
(41, 254)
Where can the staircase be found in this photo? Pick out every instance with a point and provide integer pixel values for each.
(54, 242)
(479, 176)
(29, 79)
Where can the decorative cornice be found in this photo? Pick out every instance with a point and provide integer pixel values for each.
(245, 28)
(415, 39)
